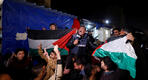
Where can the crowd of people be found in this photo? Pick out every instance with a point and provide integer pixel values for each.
(78, 65)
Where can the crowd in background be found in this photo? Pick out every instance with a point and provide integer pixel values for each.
(78, 65)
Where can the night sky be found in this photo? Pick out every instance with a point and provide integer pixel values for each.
(120, 13)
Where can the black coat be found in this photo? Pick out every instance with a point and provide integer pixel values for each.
(85, 41)
(118, 74)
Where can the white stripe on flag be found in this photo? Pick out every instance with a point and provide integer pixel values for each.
(120, 45)
(45, 43)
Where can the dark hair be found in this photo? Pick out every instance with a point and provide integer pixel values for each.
(127, 29)
(83, 26)
(52, 24)
(88, 69)
(109, 63)
(53, 52)
(116, 29)
(81, 60)
(69, 62)
(21, 49)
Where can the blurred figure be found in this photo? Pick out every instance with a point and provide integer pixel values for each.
(40, 74)
(5, 76)
(115, 32)
(111, 71)
(53, 26)
(19, 65)
(69, 67)
(43, 28)
(80, 43)
(95, 72)
(82, 68)
(123, 32)
(54, 64)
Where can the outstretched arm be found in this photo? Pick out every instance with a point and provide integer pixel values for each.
(58, 71)
(43, 55)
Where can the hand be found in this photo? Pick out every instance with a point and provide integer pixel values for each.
(66, 71)
(46, 53)
(13, 55)
(40, 46)
(130, 37)
(76, 42)
(56, 50)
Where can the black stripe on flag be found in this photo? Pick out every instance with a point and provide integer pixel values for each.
(47, 34)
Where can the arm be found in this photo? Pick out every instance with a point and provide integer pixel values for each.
(10, 60)
(72, 42)
(90, 44)
(58, 72)
(41, 74)
(43, 55)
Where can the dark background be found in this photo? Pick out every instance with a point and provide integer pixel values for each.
(120, 13)
(129, 13)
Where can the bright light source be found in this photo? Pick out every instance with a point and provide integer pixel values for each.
(107, 21)
(89, 26)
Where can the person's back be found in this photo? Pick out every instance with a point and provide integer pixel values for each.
(123, 74)
(118, 74)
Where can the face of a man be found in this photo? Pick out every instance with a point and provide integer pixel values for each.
(116, 33)
(20, 55)
(76, 66)
(52, 27)
(82, 31)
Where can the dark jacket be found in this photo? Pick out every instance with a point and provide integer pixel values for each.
(83, 46)
(118, 74)
(20, 70)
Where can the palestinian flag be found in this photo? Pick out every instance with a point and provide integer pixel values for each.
(121, 53)
(47, 38)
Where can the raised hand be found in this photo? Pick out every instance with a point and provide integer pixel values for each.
(13, 55)
(46, 53)
(40, 46)
(56, 48)
(57, 51)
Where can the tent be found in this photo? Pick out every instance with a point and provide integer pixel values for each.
(18, 16)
